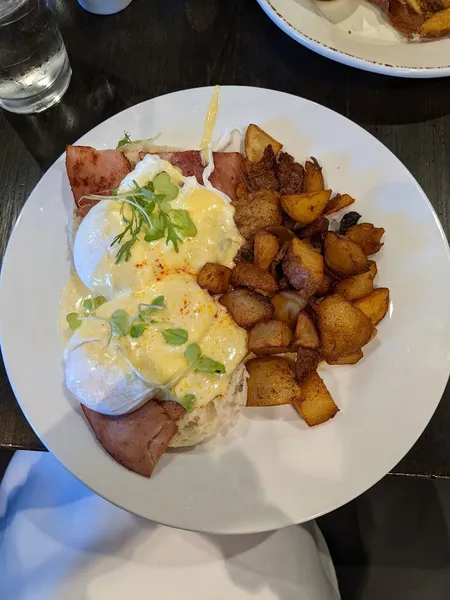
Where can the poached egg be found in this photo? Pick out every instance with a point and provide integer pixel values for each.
(115, 375)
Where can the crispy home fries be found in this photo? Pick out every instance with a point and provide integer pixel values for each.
(417, 19)
(205, 282)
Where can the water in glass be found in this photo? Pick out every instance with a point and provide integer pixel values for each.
(34, 67)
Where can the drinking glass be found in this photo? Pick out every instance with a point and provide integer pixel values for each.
(34, 67)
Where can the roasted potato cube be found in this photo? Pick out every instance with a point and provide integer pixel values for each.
(247, 307)
(352, 359)
(271, 382)
(343, 327)
(256, 141)
(249, 275)
(269, 337)
(317, 227)
(306, 363)
(288, 305)
(324, 287)
(366, 236)
(343, 256)
(358, 286)
(348, 220)
(265, 248)
(283, 234)
(305, 208)
(437, 25)
(316, 405)
(375, 306)
(305, 333)
(244, 254)
(256, 211)
(303, 267)
(214, 278)
(241, 190)
(313, 178)
(337, 203)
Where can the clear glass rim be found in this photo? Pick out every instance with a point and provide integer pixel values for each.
(8, 10)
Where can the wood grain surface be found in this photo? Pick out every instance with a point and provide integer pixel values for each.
(156, 47)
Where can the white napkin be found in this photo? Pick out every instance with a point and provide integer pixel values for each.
(59, 541)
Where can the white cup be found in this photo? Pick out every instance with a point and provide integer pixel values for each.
(104, 7)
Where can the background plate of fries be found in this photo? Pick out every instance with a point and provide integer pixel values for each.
(272, 469)
(404, 38)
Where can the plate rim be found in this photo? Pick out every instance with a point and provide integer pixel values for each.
(208, 89)
(349, 59)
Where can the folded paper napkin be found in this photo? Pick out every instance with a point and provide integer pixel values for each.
(58, 540)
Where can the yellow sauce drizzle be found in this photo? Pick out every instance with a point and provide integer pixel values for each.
(210, 121)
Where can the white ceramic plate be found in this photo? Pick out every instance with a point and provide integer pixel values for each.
(357, 34)
(270, 470)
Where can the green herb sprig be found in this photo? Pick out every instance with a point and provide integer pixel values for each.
(150, 214)
(200, 363)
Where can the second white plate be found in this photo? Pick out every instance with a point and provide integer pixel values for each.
(356, 33)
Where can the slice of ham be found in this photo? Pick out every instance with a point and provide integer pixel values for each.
(225, 177)
(93, 171)
(138, 439)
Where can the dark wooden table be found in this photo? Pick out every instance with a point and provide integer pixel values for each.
(155, 47)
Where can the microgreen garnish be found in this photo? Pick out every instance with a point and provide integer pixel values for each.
(200, 363)
(124, 141)
(175, 337)
(73, 320)
(188, 402)
(120, 323)
(150, 214)
(91, 304)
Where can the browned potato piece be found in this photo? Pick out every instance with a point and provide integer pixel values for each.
(256, 211)
(288, 305)
(256, 141)
(343, 256)
(338, 203)
(269, 337)
(241, 190)
(306, 363)
(343, 328)
(265, 248)
(249, 275)
(214, 278)
(324, 287)
(358, 286)
(283, 234)
(366, 236)
(437, 25)
(376, 305)
(352, 359)
(247, 307)
(316, 405)
(305, 208)
(319, 226)
(271, 382)
(303, 267)
(305, 334)
(313, 179)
